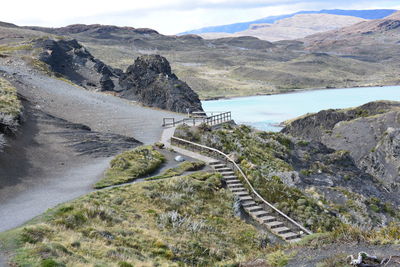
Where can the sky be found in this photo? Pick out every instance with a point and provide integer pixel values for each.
(165, 16)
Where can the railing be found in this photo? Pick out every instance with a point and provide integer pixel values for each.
(219, 118)
(211, 120)
(200, 147)
(172, 122)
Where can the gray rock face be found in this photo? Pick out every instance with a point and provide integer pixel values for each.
(150, 81)
(72, 60)
(384, 159)
(370, 133)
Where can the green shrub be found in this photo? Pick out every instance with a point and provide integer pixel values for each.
(131, 165)
(51, 263)
(124, 264)
(34, 234)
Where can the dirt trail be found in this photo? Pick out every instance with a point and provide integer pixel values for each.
(53, 160)
(101, 112)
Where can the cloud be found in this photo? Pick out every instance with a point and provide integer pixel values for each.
(166, 16)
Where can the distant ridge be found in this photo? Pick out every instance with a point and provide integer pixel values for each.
(242, 26)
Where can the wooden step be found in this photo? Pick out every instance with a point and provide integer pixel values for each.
(225, 169)
(254, 208)
(214, 162)
(268, 218)
(230, 178)
(281, 230)
(274, 224)
(259, 214)
(238, 189)
(219, 165)
(249, 203)
(290, 235)
(230, 173)
(245, 198)
(233, 181)
(238, 185)
(241, 193)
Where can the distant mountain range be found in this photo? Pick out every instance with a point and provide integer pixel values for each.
(295, 27)
(242, 26)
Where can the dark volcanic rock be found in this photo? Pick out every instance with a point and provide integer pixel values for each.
(72, 60)
(150, 81)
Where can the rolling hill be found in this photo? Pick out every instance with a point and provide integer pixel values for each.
(242, 26)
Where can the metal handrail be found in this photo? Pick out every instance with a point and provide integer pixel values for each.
(219, 118)
(247, 181)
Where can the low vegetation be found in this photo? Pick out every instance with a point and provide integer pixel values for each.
(11, 48)
(185, 220)
(186, 166)
(131, 165)
(10, 110)
(261, 156)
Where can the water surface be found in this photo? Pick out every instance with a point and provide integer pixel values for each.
(266, 112)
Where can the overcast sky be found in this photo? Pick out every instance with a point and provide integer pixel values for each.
(165, 16)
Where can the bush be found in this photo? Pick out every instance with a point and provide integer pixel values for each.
(131, 165)
(51, 263)
(34, 234)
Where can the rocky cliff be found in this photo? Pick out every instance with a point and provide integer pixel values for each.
(370, 133)
(73, 61)
(150, 81)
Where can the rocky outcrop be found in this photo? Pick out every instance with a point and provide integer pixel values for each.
(73, 61)
(150, 81)
(370, 133)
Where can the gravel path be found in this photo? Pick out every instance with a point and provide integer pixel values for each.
(99, 111)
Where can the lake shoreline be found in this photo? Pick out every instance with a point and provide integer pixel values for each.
(293, 91)
(269, 112)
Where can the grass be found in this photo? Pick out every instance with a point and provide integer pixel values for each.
(181, 169)
(180, 221)
(131, 165)
(279, 258)
(9, 102)
(11, 48)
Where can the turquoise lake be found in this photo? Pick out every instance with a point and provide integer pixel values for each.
(266, 112)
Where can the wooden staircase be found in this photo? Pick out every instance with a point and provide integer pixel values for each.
(258, 212)
(253, 203)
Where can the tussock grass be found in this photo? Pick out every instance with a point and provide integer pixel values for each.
(131, 165)
(9, 102)
(185, 220)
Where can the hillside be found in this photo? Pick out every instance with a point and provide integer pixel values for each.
(359, 41)
(238, 27)
(234, 66)
(191, 218)
(295, 27)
